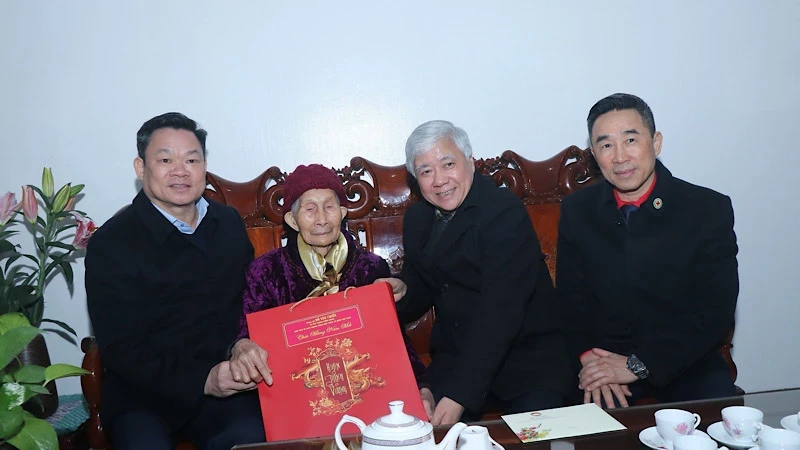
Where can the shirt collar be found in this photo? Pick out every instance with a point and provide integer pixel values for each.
(183, 227)
(638, 202)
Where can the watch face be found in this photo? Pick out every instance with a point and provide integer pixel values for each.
(637, 367)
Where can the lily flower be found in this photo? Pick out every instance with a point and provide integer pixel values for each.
(47, 182)
(70, 204)
(60, 200)
(8, 204)
(30, 207)
(86, 227)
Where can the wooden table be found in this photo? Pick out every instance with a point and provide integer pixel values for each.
(774, 404)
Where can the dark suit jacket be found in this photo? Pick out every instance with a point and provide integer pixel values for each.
(163, 311)
(496, 321)
(662, 287)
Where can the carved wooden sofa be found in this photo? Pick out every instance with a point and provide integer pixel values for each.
(377, 199)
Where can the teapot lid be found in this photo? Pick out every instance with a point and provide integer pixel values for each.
(398, 422)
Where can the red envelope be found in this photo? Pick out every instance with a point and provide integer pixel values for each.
(330, 356)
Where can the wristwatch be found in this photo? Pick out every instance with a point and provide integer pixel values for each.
(638, 368)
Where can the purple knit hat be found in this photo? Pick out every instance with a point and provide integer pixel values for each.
(312, 176)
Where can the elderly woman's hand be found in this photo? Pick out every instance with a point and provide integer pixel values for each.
(249, 363)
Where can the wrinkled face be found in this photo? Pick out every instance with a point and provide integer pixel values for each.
(625, 152)
(318, 219)
(173, 172)
(444, 175)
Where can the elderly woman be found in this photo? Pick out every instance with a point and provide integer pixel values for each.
(320, 257)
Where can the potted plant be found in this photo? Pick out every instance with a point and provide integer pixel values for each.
(19, 382)
(57, 232)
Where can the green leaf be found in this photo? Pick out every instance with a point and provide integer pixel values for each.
(75, 190)
(18, 394)
(6, 246)
(29, 374)
(36, 434)
(35, 388)
(11, 395)
(60, 245)
(40, 245)
(5, 234)
(62, 325)
(35, 261)
(11, 260)
(65, 227)
(13, 341)
(67, 268)
(21, 297)
(11, 422)
(57, 371)
(50, 267)
(12, 320)
(28, 280)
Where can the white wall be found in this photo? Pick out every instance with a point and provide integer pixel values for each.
(285, 83)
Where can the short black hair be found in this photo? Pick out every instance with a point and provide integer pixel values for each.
(618, 102)
(174, 120)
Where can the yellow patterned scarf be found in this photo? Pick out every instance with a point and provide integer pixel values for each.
(326, 270)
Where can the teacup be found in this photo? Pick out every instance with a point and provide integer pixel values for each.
(778, 439)
(672, 423)
(690, 442)
(475, 437)
(742, 422)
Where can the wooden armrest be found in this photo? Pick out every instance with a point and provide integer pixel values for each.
(92, 384)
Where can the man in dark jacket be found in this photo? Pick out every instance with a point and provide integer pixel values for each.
(646, 269)
(163, 282)
(472, 254)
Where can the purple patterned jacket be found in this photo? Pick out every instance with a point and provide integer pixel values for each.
(279, 277)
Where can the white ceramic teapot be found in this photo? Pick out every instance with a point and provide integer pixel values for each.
(397, 431)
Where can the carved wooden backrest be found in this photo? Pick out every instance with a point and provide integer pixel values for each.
(379, 195)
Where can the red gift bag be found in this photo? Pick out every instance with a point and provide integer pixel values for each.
(330, 356)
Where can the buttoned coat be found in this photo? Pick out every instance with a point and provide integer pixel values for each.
(163, 310)
(496, 326)
(662, 287)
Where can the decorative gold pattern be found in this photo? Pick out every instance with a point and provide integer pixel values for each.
(339, 374)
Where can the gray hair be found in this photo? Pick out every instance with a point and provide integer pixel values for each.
(425, 137)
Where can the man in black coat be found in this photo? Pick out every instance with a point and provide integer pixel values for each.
(472, 254)
(163, 282)
(646, 269)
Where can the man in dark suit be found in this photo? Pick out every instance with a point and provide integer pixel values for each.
(472, 254)
(646, 269)
(163, 283)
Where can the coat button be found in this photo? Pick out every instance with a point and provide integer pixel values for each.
(455, 326)
(445, 287)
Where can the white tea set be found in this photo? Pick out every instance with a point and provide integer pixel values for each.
(401, 431)
(742, 427)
